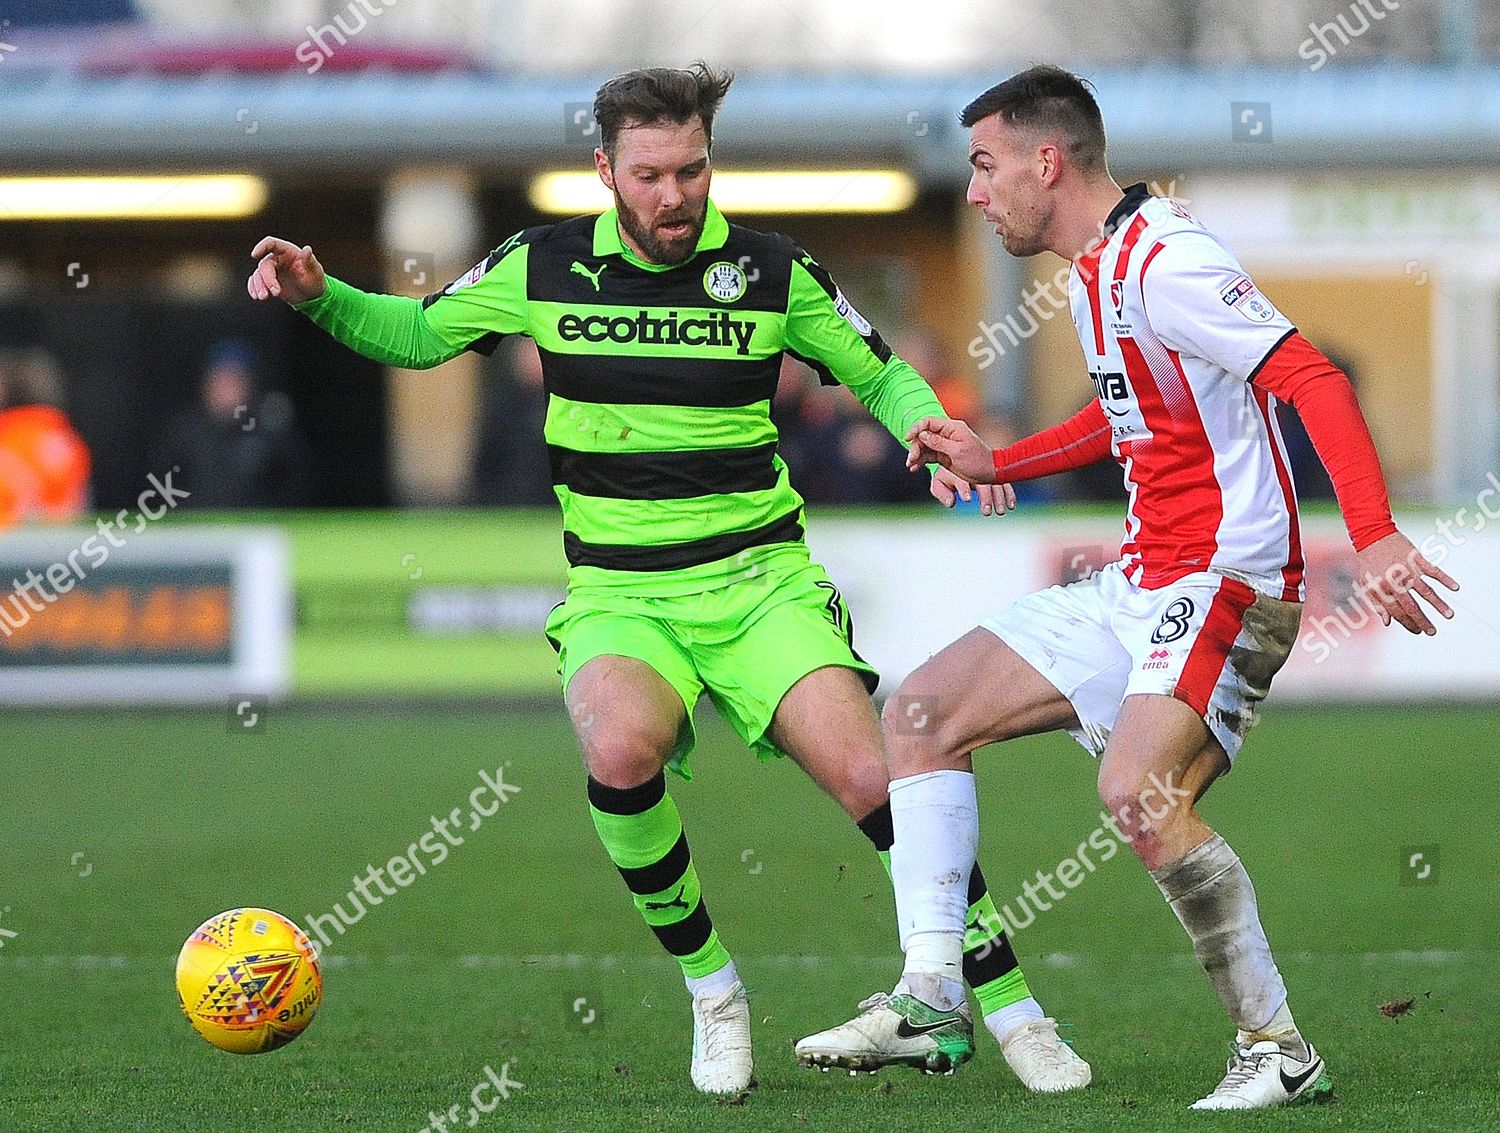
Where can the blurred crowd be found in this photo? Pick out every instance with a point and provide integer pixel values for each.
(44, 463)
(233, 446)
(237, 443)
(236, 446)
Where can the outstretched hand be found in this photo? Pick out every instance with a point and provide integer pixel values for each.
(285, 271)
(994, 499)
(1391, 573)
(937, 440)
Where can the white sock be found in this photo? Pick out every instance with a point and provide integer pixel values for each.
(1211, 894)
(1282, 1030)
(715, 983)
(1003, 1020)
(936, 822)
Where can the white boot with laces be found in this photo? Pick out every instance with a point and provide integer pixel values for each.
(721, 1041)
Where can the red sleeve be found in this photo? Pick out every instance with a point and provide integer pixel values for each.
(1082, 439)
(1298, 372)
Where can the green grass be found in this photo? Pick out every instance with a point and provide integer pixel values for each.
(481, 961)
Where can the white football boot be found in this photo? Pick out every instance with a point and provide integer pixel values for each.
(1262, 1075)
(1044, 1063)
(894, 1030)
(721, 1041)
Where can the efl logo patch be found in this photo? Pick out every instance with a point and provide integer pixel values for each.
(853, 317)
(1236, 291)
(468, 279)
(1242, 296)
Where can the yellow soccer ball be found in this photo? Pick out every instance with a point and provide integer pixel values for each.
(249, 981)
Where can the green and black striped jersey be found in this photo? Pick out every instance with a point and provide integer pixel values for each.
(659, 382)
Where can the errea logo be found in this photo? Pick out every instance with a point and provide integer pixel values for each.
(724, 281)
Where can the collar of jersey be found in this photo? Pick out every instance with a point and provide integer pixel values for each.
(1135, 196)
(607, 240)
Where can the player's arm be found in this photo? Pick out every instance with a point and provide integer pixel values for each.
(398, 331)
(1079, 441)
(1392, 568)
(824, 330)
(1200, 301)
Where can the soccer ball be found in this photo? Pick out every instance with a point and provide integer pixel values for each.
(248, 980)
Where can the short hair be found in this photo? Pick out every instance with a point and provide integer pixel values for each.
(1052, 99)
(654, 95)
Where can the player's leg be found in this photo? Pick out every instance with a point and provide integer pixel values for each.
(827, 724)
(630, 720)
(786, 676)
(931, 731)
(1209, 648)
(976, 691)
(1160, 759)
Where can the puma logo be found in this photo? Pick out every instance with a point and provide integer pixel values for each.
(591, 276)
(676, 902)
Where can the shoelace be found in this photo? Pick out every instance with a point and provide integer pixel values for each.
(1051, 1054)
(717, 1039)
(879, 999)
(1242, 1067)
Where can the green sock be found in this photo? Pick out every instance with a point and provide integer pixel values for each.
(642, 833)
(990, 965)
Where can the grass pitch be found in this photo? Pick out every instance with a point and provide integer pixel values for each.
(521, 952)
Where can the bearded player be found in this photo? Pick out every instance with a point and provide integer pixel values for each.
(1158, 663)
(687, 569)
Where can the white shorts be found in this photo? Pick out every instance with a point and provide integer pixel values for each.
(1207, 639)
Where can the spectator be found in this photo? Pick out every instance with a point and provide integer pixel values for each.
(834, 452)
(44, 463)
(510, 454)
(236, 448)
(961, 400)
(927, 356)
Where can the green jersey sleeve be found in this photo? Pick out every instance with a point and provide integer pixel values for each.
(481, 307)
(474, 312)
(824, 330)
(388, 328)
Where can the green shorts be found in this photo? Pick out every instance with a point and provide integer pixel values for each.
(744, 644)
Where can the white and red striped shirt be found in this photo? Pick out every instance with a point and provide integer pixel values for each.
(1173, 331)
(1188, 361)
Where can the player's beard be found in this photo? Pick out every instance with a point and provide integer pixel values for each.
(1023, 232)
(1021, 246)
(660, 249)
(1022, 235)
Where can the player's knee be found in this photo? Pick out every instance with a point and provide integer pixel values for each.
(865, 785)
(1144, 813)
(918, 732)
(627, 757)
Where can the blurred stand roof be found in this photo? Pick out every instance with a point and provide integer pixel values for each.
(203, 85)
(412, 105)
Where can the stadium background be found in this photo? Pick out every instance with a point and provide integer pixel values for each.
(278, 680)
